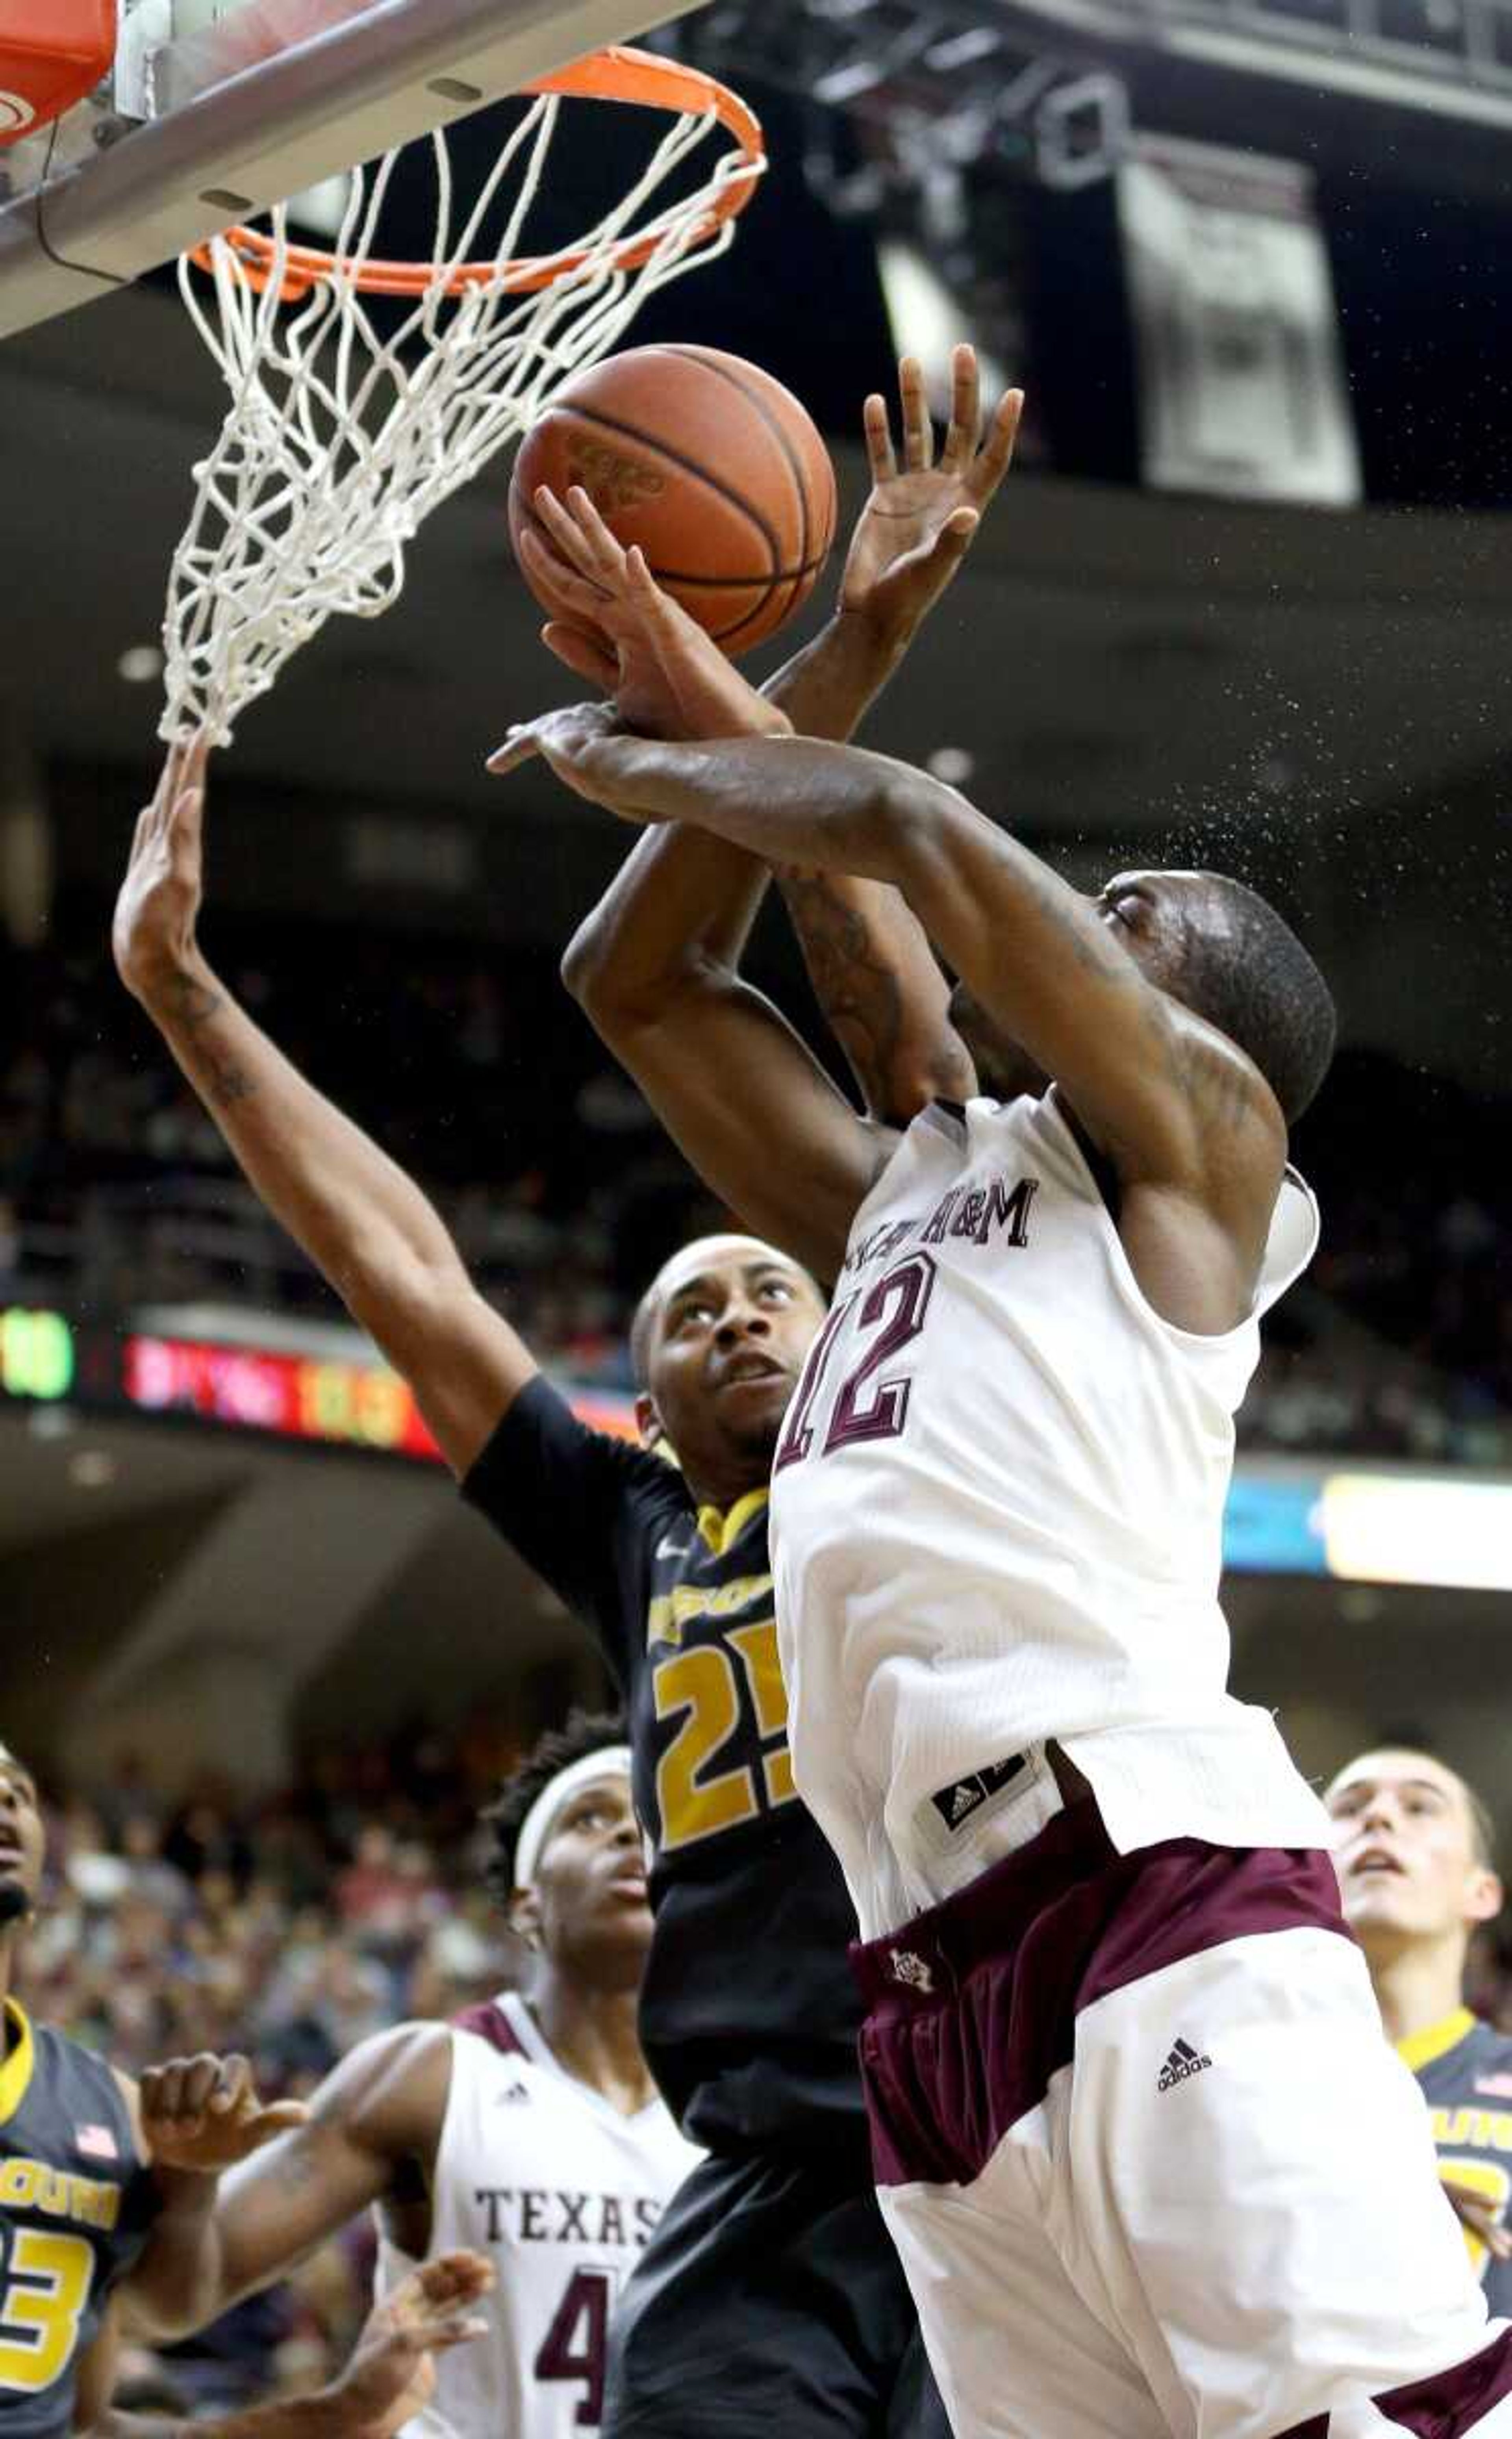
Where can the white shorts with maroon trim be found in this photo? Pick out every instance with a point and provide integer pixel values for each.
(1151, 2164)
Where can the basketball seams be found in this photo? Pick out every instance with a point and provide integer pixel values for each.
(623, 431)
(753, 398)
(743, 472)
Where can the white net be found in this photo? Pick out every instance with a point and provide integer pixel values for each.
(341, 438)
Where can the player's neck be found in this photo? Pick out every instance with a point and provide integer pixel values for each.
(592, 2034)
(1418, 1986)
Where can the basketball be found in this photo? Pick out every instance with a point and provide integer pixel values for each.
(705, 461)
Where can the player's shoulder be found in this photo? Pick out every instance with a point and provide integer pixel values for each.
(541, 1439)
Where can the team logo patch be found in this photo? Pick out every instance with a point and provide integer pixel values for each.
(1183, 2061)
(95, 2142)
(911, 1968)
(957, 1803)
(611, 479)
(1495, 2086)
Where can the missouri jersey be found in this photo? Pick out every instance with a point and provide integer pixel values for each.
(997, 1519)
(749, 2016)
(76, 2205)
(1464, 2068)
(562, 2193)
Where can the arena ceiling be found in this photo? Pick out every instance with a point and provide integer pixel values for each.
(1112, 664)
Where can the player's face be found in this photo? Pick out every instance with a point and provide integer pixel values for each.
(733, 1323)
(1405, 1853)
(590, 1899)
(21, 1842)
(1148, 913)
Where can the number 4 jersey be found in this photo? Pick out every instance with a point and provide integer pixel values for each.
(76, 2207)
(543, 2176)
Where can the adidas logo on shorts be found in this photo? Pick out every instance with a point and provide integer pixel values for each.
(1183, 2061)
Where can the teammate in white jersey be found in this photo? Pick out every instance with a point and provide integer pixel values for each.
(529, 2131)
(1150, 2166)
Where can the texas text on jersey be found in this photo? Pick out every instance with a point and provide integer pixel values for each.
(1464, 2068)
(748, 2012)
(75, 2206)
(549, 2181)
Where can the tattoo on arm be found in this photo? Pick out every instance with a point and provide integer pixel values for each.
(193, 1005)
(858, 992)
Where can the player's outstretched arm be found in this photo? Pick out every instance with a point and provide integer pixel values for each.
(192, 2118)
(377, 2112)
(363, 1222)
(389, 2379)
(1175, 1105)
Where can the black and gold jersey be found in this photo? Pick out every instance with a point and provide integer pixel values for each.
(748, 2014)
(1464, 2068)
(76, 2205)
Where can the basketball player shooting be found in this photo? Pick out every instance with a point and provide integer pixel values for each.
(770, 2297)
(1149, 2164)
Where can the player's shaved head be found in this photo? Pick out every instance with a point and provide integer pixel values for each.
(686, 1265)
(718, 1342)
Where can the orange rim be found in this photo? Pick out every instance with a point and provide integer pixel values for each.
(613, 75)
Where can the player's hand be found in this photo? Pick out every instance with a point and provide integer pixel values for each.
(153, 931)
(639, 778)
(392, 2372)
(1480, 2218)
(618, 630)
(201, 2114)
(918, 522)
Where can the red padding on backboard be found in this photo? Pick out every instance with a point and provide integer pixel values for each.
(52, 52)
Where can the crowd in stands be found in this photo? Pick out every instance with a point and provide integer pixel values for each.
(287, 1930)
(116, 1190)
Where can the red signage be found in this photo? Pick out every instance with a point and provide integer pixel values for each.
(306, 1398)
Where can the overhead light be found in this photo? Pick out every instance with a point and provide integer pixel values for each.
(141, 663)
(952, 764)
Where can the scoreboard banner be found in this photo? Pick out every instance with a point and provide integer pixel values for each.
(1375, 1524)
(350, 1402)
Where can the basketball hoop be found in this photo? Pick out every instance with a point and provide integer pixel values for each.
(339, 441)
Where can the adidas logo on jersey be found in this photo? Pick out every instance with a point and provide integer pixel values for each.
(514, 2092)
(958, 1802)
(1183, 2061)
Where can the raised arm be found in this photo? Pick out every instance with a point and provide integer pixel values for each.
(363, 1222)
(872, 969)
(1175, 1104)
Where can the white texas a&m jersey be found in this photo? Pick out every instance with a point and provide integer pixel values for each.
(544, 2176)
(997, 1518)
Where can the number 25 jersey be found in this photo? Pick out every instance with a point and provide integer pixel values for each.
(997, 1516)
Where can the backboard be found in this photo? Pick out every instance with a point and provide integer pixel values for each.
(221, 108)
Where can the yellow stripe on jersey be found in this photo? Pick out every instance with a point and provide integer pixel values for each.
(15, 2074)
(1418, 2050)
(722, 1527)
